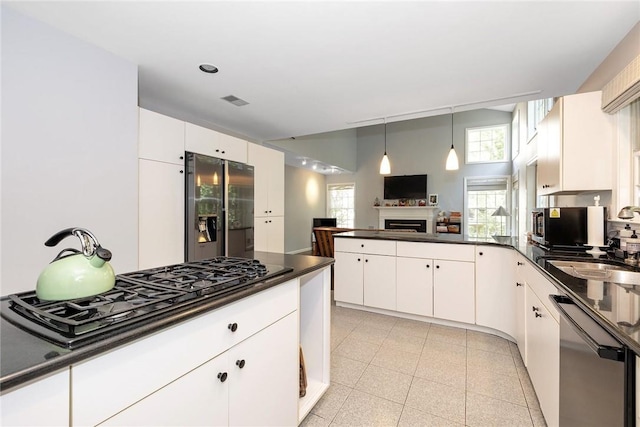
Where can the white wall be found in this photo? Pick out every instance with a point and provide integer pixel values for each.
(305, 199)
(69, 149)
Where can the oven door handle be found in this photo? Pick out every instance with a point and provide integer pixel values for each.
(602, 350)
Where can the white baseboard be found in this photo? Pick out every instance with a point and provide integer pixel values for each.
(299, 251)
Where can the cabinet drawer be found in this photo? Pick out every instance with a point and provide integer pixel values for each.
(366, 246)
(97, 383)
(444, 251)
(542, 287)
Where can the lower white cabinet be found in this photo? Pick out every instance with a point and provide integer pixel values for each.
(414, 286)
(43, 403)
(454, 290)
(365, 272)
(269, 234)
(160, 213)
(112, 382)
(520, 307)
(243, 386)
(496, 288)
(543, 354)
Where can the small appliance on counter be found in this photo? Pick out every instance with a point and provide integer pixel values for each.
(73, 273)
(560, 227)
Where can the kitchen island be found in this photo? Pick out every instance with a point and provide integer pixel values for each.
(128, 378)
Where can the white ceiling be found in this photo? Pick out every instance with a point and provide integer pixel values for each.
(318, 66)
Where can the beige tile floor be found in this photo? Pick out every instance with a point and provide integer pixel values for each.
(388, 371)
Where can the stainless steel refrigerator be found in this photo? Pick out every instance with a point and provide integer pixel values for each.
(219, 208)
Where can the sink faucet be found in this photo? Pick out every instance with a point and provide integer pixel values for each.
(628, 211)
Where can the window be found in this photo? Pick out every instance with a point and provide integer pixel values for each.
(536, 110)
(483, 197)
(341, 203)
(487, 144)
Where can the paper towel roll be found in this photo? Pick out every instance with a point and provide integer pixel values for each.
(595, 226)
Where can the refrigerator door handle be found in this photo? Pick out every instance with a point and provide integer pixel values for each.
(602, 350)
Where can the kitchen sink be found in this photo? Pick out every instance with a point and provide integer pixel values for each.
(598, 271)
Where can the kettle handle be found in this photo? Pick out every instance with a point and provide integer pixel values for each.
(63, 255)
(87, 239)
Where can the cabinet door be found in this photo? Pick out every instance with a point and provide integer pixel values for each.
(414, 286)
(543, 356)
(496, 289)
(269, 234)
(43, 403)
(520, 313)
(380, 281)
(264, 377)
(268, 180)
(160, 137)
(198, 398)
(453, 291)
(348, 277)
(549, 151)
(160, 213)
(211, 143)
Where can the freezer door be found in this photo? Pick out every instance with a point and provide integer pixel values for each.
(239, 209)
(204, 220)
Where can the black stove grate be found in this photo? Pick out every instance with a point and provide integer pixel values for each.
(135, 298)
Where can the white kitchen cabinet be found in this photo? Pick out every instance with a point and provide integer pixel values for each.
(221, 391)
(496, 288)
(215, 144)
(520, 308)
(160, 213)
(365, 272)
(198, 398)
(268, 197)
(414, 286)
(269, 180)
(152, 363)
(543, 355)
(264, 391)
(43, 403)
(269, 234)
(575, 146)
(454, 290)
(160, 137)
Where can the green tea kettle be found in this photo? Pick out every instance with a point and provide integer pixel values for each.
(73, 273)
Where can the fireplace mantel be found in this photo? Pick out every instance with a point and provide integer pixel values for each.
(428, 213)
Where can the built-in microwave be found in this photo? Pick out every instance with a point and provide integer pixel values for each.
(559, 227)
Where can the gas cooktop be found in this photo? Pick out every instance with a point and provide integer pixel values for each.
(137, 298)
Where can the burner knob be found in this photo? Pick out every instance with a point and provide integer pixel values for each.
(240, 363)
(222, 376)
(233, 327)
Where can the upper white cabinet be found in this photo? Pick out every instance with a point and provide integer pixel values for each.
(211, 143)
(575, 146)
(160, 213)
(268, 197)
(268, 180)
(496, 289)
(160, 137)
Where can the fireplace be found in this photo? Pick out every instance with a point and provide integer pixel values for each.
(409, 214)
(420, 225)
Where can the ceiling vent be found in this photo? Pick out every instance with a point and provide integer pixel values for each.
(235, 100)
(623, 89)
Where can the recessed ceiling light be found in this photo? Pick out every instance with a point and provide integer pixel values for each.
(304, 162)
(208, 68)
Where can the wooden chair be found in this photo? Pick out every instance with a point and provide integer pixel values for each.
(324, 239)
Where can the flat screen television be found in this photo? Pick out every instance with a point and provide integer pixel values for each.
(405, 187)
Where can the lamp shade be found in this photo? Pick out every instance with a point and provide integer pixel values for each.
(385, 166)
(500, 212)
(452, 160)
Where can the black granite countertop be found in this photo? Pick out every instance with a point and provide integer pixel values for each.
(25, 357)
(618, 311)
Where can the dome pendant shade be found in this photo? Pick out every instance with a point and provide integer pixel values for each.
(385, 166)
(452, 160)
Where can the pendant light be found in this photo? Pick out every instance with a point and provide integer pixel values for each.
(385, 166)
(452, 158)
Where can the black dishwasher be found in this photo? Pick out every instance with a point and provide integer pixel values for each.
(596, 385)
